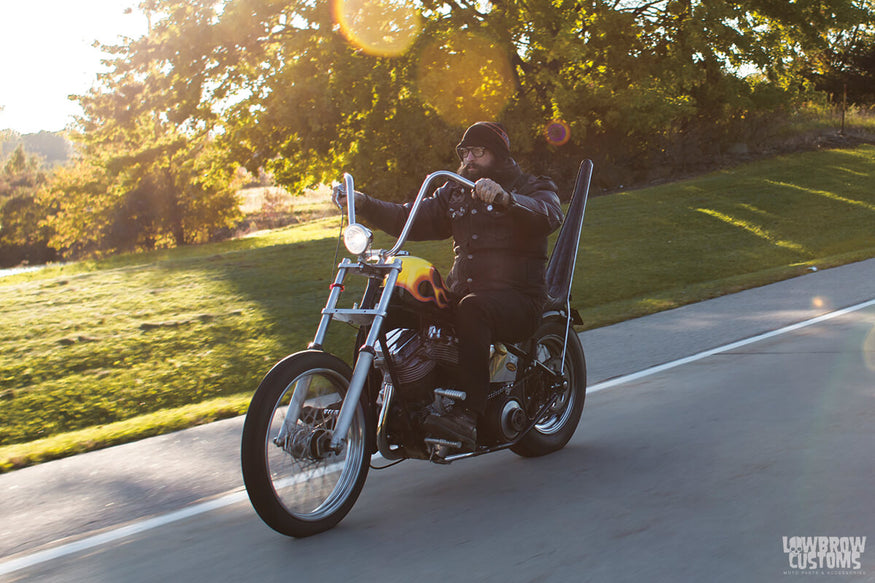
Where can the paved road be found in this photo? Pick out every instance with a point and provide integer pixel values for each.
(691, 473)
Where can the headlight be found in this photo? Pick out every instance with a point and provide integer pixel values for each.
(357, 239)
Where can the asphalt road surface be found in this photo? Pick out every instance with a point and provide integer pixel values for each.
(714, 436)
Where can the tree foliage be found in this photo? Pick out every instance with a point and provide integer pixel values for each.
(308, 89)
(845, 68)
(383, 88)
(158, 188)
(143, 179)
(21, 236)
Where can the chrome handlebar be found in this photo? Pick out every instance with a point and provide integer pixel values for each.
(349, 185)
(426, 184)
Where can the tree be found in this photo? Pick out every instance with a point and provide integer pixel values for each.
(141, 180)
(308, 89)
(846, 67)
(21, 237)
(169, 191)
(79, 211)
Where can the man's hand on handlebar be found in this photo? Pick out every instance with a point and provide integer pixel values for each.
(490, 192)
(338, 196)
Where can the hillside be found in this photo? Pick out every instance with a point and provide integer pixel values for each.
(99, 353)
(53, 147)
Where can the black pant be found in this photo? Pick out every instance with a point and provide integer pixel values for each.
(482, 318)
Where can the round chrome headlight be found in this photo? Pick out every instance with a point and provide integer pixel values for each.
(357, 239)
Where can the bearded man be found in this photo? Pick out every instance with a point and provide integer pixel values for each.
(499, 232)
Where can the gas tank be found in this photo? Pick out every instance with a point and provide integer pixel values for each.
(420, 286)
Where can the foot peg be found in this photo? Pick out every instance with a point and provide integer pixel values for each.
(443, 442)
(441, 448)
(451, 394)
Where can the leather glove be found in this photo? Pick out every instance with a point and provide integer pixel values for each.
(338, 196)
(490, 192)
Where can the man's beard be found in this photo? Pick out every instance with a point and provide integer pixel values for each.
(474, 171)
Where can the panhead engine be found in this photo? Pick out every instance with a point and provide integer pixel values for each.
(419, 356)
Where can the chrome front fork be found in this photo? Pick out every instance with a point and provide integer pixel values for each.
(363, 363)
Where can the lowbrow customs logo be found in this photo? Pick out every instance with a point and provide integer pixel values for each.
(826, 555)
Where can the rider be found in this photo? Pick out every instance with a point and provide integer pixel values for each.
(500, 243)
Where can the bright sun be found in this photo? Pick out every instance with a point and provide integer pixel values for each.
(46, 54)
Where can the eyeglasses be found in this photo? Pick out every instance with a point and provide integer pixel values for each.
(477, 151)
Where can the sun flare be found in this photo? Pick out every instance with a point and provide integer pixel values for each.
(378, 27)
(465, 78)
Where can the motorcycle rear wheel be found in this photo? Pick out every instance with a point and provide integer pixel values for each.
(555, 428)
(295, 485)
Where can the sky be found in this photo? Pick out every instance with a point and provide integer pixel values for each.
(46, 55)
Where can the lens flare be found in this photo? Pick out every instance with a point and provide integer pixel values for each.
(465, 78)
(557, 132)
(379, 27)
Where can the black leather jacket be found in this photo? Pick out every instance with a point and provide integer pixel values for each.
(494, 248)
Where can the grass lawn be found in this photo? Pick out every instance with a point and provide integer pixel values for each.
(97, 353)
(661, 247)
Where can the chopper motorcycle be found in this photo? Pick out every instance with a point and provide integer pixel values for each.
(314, 422)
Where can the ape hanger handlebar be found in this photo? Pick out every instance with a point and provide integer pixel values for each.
(414, 210)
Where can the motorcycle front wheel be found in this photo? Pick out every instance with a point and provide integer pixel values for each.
(297, 485)
(555, 428)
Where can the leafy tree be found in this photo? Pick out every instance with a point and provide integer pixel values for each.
(142, 180)
(170, 191)
(846, 66)
(79, 212)
(21, 237)
(308, 89)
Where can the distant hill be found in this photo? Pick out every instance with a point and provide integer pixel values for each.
(52, 146)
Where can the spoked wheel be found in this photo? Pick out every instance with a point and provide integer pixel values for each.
(296, 484)
(558, 424)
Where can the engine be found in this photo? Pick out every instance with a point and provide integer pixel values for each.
(420, 357)
(428, 358)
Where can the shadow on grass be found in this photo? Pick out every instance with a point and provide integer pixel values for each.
(208, 322)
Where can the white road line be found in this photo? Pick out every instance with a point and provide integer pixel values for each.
(726, 348)
(119, 533)
(239, 496)
(141, 526)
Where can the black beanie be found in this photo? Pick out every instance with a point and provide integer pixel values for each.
(488, 134)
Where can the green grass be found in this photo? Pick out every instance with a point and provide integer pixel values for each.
(97, 353)
(662, 247)
(822, 117)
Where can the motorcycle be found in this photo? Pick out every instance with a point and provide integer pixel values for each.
(314, 422)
